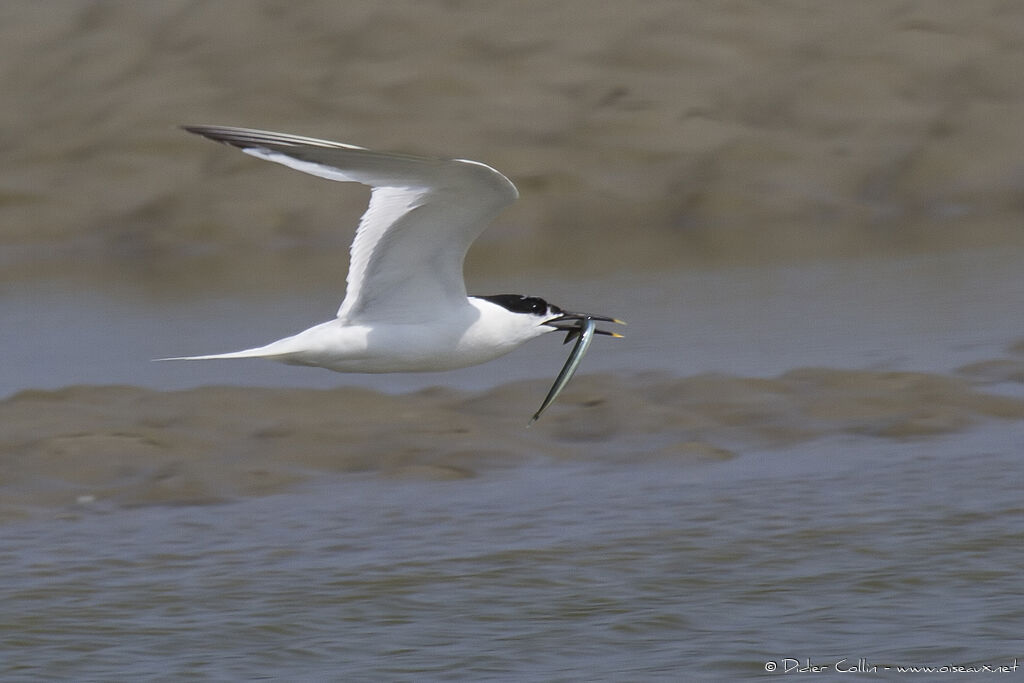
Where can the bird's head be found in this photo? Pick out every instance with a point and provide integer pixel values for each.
(548, 317)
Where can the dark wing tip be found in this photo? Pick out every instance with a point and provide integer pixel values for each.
(202, 130)
(238, 137)
(245, 138)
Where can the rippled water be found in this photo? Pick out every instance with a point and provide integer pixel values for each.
(902, 553)
(823, 515)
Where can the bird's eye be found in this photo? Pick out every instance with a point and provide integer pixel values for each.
(535, 304)
(518, 303)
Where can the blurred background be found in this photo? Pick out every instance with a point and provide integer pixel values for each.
(810, 213)
(749, 184)
(642, 135)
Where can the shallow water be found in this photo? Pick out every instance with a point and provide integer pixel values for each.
(903, 553)
(663, 520)
(931, 313)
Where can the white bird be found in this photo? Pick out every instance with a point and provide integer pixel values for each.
(406, 308)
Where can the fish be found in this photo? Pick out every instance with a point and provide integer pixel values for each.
(585, 335)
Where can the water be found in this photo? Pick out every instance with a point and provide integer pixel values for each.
(658, 526)
(903, 554)
(930, 313)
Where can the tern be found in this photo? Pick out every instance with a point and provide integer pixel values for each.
(406, 307)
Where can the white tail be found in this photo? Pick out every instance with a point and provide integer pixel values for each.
(273, 350)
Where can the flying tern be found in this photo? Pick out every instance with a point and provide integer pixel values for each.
(406, 307)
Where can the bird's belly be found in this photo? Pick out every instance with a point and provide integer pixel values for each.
(395, 348)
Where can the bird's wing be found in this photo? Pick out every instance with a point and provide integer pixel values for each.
(406, 259)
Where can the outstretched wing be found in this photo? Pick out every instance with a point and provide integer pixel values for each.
(406, 259)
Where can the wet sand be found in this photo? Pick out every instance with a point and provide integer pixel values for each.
(132, 446)
(653, 133)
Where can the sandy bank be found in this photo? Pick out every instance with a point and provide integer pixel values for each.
(645, 132)
(133, 446)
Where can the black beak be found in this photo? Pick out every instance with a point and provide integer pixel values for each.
(572, 324)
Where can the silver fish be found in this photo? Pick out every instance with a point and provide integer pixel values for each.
(587, 327)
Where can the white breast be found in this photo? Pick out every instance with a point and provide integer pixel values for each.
(475, 333)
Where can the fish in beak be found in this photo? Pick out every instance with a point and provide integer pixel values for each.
(581, 327)
(573, 323)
